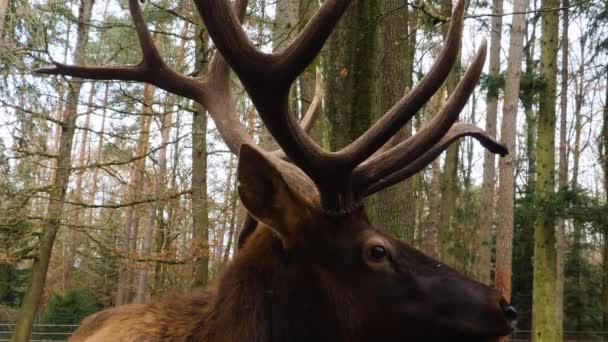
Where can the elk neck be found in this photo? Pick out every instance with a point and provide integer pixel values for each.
(262, 296)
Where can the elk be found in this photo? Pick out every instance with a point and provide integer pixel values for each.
(311, 267)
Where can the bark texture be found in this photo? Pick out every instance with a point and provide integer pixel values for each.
(605, 249)
(133, 191)
(449, 177)
(486, 218)
(200, 210)
(543, 307)
(562, 178)
(76, 217)
(394, 208)
(350, 73)
(506, 187)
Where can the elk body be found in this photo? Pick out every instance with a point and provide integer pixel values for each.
(311, 267)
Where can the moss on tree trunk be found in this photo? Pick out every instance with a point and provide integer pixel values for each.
(544, 318)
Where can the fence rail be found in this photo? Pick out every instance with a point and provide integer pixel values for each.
(569, 336)
(41, 332)
(61, 332)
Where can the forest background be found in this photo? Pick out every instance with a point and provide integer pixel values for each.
(116, 192)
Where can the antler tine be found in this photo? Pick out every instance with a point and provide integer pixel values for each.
(152, 69)
(407, 151)
(314, 108)
(150, 55)
(309, 42)
(312, 113)
(219, 100)
(457, 131)
(388, 125)
(217, 96)
(264, 75)
(250, 63)
(229, 37)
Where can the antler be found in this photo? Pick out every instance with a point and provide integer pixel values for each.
(357, 170)
(377, 168)
(212, 90)
(343, 177)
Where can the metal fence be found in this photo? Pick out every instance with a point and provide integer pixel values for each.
(61, 332)
(569, 336)
(41, 332)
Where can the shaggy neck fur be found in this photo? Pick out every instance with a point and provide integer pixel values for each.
(263, 297)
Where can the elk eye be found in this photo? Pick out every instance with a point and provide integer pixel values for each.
(377, 252)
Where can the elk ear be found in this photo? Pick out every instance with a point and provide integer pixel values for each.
(266, 193)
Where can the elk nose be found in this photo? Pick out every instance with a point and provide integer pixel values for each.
(508, 310)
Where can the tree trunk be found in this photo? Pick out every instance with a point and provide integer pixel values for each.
(199, 197)
(133, 192)
(308, 79)
(60, 106)
(506, 166)
(576, 251)
(146, 247)
(219, 249)
(350, 73)
(394, 208)
(200, 211)
(486, 219)
(285, 30)
(230, 216)
(562, 180)
(76, 217)
(528, 100)
(98, 158)
(544, 231)
(449, 177)
(605, 249)
(50, 225)
(432, 224)
(161, 178)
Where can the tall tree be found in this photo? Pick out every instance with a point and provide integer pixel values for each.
(132, 194)
(528, 96)
(57, 191)
(200, 210)
(76, 217)
(350, 73)
(486, 218)
(200, 207)
(562, 177)
(449, 177)
(163, 221)
(506, 166)
(544, 229)
(394, 208)
(605, 249)
(432, 223)
(576, 257)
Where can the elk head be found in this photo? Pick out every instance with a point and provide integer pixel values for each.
(329, 267)
(341, 270)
